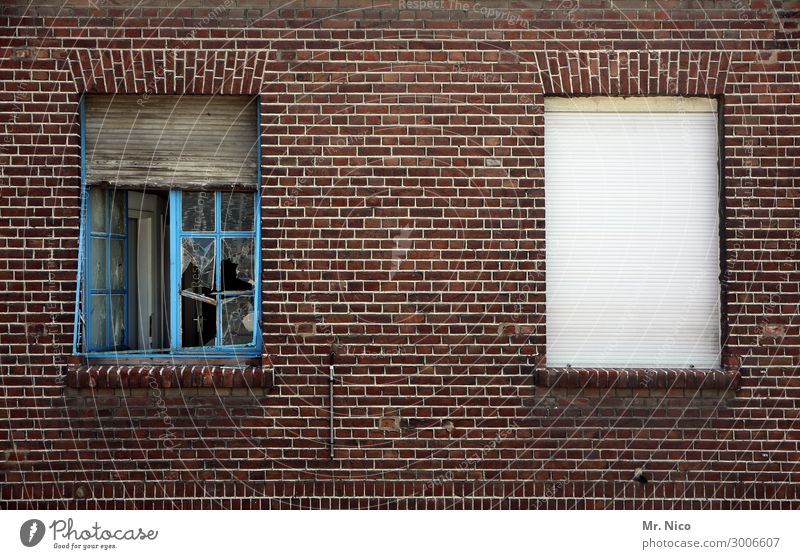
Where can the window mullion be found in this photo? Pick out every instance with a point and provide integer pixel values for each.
(109, 329)
(218, 264)
(125, 286)
(87, 269)
(174, 269)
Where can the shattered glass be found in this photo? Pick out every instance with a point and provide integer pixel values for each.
(97, 205)
(117, 268)
(237, 264)
(237, 320)
(97, 264)
(97, 322)
(197, 263)
(198, 211)
(238, 211)
(202, 321)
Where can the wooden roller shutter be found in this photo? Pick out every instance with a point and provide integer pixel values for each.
(171, 141)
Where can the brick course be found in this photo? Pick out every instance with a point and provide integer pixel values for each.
(403, 227)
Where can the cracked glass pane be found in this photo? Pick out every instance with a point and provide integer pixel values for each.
(117, 212)
(117, 264)
(197, 264)
(237, 320)
(237, 211)
(117, 320)
(197, 211)
(97, 207)
(97, 264)
(237, 264)
(97, 322)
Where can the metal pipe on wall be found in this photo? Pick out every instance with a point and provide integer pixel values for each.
(332, 431)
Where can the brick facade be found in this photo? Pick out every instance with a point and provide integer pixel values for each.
(403, 227)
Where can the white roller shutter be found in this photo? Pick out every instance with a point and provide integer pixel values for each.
(632, 237)
(171, 141)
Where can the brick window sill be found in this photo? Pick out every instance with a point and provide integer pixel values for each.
(638, 378)
(169, 376)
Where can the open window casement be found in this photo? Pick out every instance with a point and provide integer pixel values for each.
(632, 232)
(169, 229)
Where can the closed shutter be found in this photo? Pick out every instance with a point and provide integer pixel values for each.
(632, 236)
(171, 141)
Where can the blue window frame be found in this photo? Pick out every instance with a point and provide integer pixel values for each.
(107, 277)
(213, 270)
(213, 297)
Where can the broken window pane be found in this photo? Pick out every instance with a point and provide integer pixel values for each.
(197, 264)
(97, 322)
(237, 320)
(237, 211)
(97, 263)
(237, 264)
(117, 211)
(117, 320)
(117, 264)
(97, 207)
(198, 211)
(198, 322)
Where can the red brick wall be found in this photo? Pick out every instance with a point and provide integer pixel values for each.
(403, 225)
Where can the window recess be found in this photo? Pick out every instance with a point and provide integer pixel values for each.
(632, 232)
(169, 235)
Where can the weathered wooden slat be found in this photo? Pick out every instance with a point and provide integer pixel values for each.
(145, 166)
(187, 186)
(171, 141)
